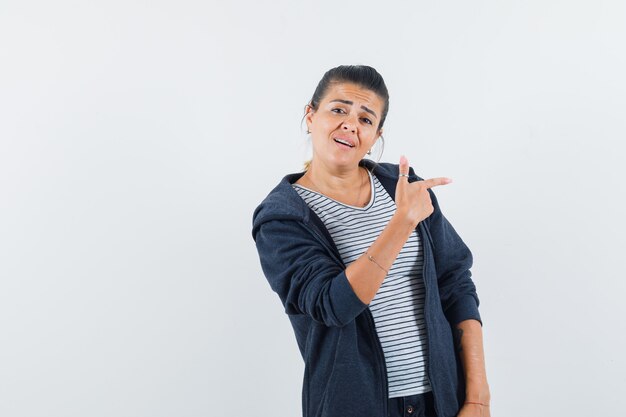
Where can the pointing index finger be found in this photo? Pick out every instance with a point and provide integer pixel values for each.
(434, 182)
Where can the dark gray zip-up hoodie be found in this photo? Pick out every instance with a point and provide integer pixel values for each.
(345, 373)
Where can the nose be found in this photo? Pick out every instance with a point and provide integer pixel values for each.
(349, 125)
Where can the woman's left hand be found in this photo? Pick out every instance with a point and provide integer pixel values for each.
(474, 410)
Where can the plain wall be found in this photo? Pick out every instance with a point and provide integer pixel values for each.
(136, 139)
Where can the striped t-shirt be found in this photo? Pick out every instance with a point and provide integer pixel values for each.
(398, 307)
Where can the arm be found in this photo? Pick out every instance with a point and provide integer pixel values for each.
(469, 332)
(305, 276)
(310, 281)
(366, 275)
(453, 261)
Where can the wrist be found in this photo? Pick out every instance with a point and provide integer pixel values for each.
(403, 221)
(478, 393)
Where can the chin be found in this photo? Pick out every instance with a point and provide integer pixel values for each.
(345, 162)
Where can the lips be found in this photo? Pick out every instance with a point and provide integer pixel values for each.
(345, 141)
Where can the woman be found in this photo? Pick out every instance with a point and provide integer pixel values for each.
(374, 279)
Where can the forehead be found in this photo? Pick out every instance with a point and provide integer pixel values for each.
(354, 93)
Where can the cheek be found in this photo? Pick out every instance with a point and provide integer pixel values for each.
(371, 137)
(324, 126)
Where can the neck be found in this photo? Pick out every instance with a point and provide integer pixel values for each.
(349, 186)
(336, 181)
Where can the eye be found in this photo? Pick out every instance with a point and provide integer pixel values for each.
(366, 120)
(338, 110)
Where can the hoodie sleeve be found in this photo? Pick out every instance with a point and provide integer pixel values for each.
(300, 270)
(453, 261)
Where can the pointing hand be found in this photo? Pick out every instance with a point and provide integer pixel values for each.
(412, 199)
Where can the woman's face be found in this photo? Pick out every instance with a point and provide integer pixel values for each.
(344, 127)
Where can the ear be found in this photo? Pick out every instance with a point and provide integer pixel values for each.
(308, 115)
(380, 133)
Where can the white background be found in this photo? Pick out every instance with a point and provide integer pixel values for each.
(137, 137)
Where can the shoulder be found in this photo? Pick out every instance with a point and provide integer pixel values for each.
(282, 203)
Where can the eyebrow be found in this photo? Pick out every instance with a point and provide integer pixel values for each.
(351, 103)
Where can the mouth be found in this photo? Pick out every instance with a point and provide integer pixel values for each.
(344, 142)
